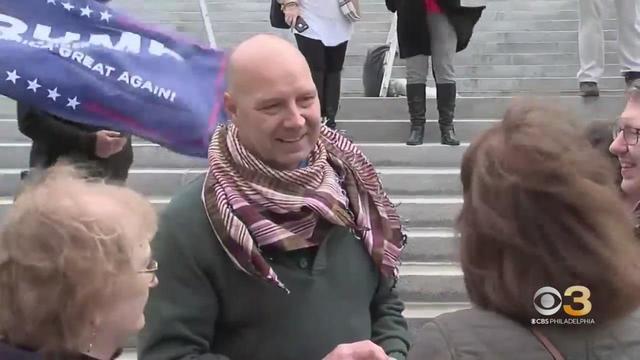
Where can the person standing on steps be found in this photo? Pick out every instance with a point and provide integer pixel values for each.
(436, 28)
(288, 248)
(322, 31)
(108, 153)
(591, 43)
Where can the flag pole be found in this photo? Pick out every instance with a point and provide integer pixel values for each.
(207, 23)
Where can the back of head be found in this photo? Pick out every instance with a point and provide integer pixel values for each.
(541, 209)
(65, 247)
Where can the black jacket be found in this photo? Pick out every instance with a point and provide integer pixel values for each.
(54, 138)
(413, 34)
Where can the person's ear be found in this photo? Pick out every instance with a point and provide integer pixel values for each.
(230, 106)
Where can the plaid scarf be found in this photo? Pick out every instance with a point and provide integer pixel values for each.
(251, 205)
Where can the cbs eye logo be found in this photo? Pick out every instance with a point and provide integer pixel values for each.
(548, 301)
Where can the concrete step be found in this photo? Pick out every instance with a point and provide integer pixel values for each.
(363, 131)
(396, 131)
(431, 282)
(431, 245)
(138, 9)
(480, 107)
(150, 156)
(533, 84)
(495, 71)
(191, 14)
(532, 36)
(379, 7)
(165, 182)
(488, 24)
(264, 25)
(530, 6)
(414, 211)
(490, 14)
(229, 34)
(219, 17)
(532, 47)
(604, 107)
(263, 7)
(425, 244)
(469, 59)
(362, 108)
(230, 39)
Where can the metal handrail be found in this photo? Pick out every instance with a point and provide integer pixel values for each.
(392, 41)
(207, 23)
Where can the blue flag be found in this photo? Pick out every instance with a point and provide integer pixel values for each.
(84, 62)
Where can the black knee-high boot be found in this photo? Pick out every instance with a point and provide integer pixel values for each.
(417, 102)
(332, 96)
(446, 99)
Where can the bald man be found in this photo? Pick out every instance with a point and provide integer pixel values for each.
(287, 248)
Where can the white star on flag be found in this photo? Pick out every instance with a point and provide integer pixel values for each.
(51, 2)
(53, 94)
(12, 76)
(33, 85)
(72, 103)
(86, 11)
(68, 6)
(105, 15)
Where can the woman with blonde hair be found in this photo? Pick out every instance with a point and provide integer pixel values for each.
(75, 268)
(548, 253)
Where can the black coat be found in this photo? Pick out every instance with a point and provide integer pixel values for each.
(413, 33)
(55, 138)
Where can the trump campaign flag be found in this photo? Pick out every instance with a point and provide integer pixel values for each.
(85, 62)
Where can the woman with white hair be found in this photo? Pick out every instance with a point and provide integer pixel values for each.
(75, 269)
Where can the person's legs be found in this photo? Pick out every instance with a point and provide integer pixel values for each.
(334, 61)
(444, 42)
(314, 51)
(590, 46)
(417, 69)
(629, 38)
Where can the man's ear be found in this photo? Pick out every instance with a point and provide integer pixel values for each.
(230, 106)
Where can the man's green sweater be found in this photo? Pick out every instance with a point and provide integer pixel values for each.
(205, 308)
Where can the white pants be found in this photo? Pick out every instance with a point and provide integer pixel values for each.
(591, 37)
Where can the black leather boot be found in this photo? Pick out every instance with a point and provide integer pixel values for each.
(417, 102)
(318, 80)
(332, 96)
(446, 99)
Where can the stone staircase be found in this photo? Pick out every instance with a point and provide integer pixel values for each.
(519, 47)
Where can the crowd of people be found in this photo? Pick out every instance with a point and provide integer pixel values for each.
(288, 247)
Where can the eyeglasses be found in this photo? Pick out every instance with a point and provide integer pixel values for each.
(151, 268)
(629, 134)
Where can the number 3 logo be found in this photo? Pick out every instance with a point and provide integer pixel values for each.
(583, 300)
